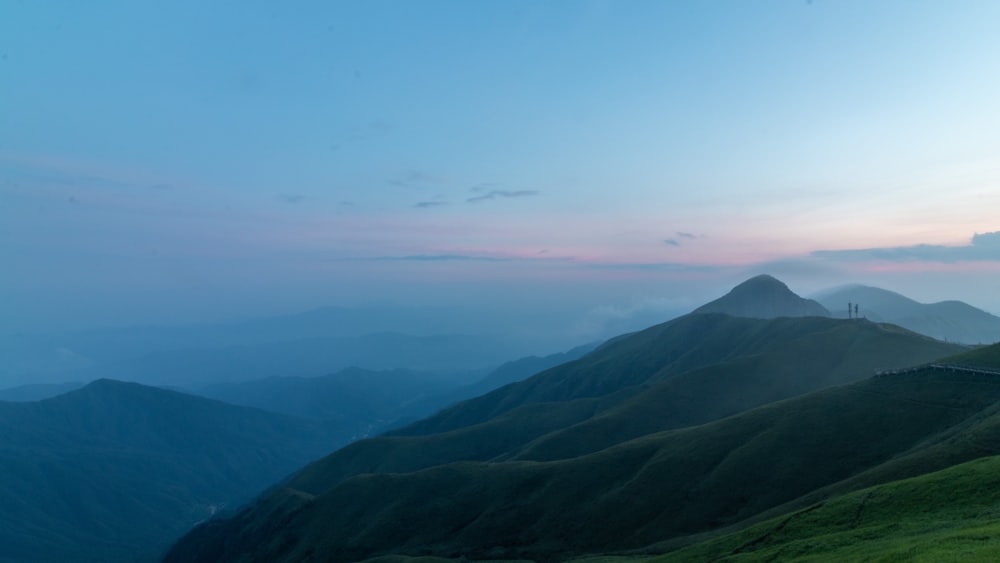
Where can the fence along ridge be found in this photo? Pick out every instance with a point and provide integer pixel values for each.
(952, 368)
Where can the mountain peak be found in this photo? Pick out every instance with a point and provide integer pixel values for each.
(764, 297)
(761, 282)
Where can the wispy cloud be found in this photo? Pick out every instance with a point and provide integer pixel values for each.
(983, 247)
(426, 258)
(460, 256)
(291, 198)
(496, 194)
(49, 170)
(415, 179)
(680, 236)
(444, 258)
(426, 204)
(653, 267)
(604, 321)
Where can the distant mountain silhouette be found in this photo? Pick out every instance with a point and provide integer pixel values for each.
(116, 471)
(38, 391)
(306, 344)
(953, 321)
(764, 297)
(358, 402)
(362, 403)
(307, 357)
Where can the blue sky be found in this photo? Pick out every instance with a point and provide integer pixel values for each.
(175, 161)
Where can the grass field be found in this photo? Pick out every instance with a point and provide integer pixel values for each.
(949, 515)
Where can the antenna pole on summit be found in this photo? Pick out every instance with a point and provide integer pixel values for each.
(849, 305)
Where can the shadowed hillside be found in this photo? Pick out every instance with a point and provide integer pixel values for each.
(116, 471)
(933, 517)
(662, 485)
(529, 469)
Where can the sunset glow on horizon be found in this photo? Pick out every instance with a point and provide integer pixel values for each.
(192, 162)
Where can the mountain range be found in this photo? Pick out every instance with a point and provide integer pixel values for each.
(952, 321)
(312, 343)
(115, 471)
(747, 429)
(648, 443)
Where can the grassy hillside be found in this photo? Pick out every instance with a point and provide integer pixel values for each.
(822, 354)
(986, 356)
(116, 471)
(688, 343)
(662, 485)
(949, 515)
(768, 360)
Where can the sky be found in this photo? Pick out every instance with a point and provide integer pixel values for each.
(189, 161)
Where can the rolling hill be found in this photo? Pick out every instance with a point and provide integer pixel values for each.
(635, 429)
(116, 471)
(941, 516)
(660, 486)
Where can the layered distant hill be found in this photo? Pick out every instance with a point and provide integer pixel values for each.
(38, 391)
(764, 297)
(116, 471)
(304, 358)
(362, 402)
(308, 344)
(953, 321)
(637, 429)
(359, 401)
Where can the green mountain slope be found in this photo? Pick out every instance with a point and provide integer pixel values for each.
(683, 344)
(947, 515)
(823, 353)
(662, 485)
(654, 380)
(116, 471)
(538, 478)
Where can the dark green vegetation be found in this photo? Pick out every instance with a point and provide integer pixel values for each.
(948, 515)
(629, 447)
(952, 321)
(116, 471)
